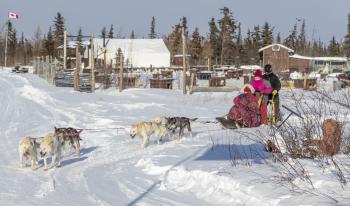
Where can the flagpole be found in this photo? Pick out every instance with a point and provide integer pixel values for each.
(7, 33)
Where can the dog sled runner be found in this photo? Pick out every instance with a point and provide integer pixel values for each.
(227, 123)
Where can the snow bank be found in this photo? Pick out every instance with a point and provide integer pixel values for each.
(34, 94)
(211, 187)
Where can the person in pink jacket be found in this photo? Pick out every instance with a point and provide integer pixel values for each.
(262, 90)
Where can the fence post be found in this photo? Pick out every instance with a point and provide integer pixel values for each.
(184, 61)
(77, 69)
(121, 72)
(42, 67)
(192, 82)
(53, 71)
(92, 64)
(47, 63)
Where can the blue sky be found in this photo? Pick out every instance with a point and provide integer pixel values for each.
(324, 18)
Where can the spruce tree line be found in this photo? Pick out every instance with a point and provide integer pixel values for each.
(225, 43)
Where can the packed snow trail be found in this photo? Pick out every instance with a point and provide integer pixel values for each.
(101, 175)
(113, 170)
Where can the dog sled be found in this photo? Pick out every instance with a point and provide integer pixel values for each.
(232, 124)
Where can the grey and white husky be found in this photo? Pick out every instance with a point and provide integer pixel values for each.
(179, 123)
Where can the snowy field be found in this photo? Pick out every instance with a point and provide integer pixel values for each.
(215, 167)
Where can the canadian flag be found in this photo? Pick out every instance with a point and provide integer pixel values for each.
(13, 15)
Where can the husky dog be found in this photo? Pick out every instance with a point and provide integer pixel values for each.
(70, 136)
(27, 149)
(163, 130)
(51, 145)
(174, 123)
(145, 130)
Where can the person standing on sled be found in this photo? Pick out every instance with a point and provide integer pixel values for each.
(276, 86)
(262, 91)
(245, 112)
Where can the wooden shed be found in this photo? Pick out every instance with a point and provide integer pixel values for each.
(277, 55)
(177, 60)
(283, 59)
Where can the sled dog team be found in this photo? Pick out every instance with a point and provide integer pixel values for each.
(51, 144)
(160, 127)
(54, 143)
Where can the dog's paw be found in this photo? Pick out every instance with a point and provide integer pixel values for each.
(45, 169)
(57, 166)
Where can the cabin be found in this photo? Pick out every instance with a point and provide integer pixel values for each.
(284, 59)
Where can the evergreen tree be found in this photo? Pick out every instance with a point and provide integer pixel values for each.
(174, 40)
(28, 51)
(267, 36)
(195, 46)
(347, 40)
(58, 36)
(103, 33)
(50, 43)
(111, 32)
(207, 50)
(248, 51)
(333, 48)
(184, 25)
(302, 39)
(79, 39)
(152, 34)
(314, 49)
(227, 35)
(239, 36)
(291, 40)
(132, 35)
(256, 44)
(321, 48)
(214, 40)
(240, 48)
(20, 53)
(38, 43)
(11, 44)
(278, 39)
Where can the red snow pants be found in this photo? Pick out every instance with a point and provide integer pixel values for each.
(263, 112)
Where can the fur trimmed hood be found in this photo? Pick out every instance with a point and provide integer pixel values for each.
(248, 86)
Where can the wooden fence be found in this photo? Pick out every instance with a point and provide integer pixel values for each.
(46, 69)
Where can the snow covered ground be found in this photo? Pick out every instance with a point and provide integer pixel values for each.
(215, 167)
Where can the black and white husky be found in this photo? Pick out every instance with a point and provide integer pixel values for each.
(71, 136)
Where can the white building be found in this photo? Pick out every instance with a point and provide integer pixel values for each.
(138, 53)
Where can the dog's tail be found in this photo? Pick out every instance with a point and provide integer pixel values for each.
(193, 119)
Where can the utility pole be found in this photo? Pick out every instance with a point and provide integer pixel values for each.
(120, 72)
(7, 33)
(104, 63)
(92, 64)
(65, 50)
(183, 61)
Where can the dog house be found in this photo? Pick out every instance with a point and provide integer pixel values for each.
(204, 75)
(161, 83)
(128, 82)
(217, 82)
